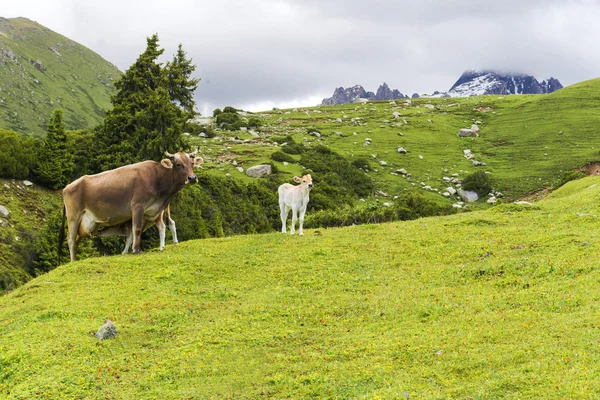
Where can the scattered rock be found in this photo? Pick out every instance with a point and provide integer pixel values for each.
(467, 133)
(4, 212)
(27, 183)
(402, 150)
(468, 195)
(259, 171)
(107, 331)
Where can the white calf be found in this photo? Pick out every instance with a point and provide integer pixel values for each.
(294, 198)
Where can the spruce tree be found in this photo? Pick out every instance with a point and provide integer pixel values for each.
(181, 84)
(55, 161)
(144, 120)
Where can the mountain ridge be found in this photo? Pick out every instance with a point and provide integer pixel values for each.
(470, 83)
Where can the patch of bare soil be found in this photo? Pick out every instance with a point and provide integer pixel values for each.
(592, 169)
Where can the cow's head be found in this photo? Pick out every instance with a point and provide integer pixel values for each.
(183, 166)
(305, 181)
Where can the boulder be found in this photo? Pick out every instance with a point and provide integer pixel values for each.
(468, 195)
(4, 212)
(467, 133)
(107, 331)
(259, 171)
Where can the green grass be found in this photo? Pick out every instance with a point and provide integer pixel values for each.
(41, 70)
(489, 304)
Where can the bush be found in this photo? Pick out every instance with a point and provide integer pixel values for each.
(229, 109)
(570, 176)
(407, 207)
(479, 182)
(291, 147)
(217, 111)
(282, 157)
(338, 172)
(361, 163)
(17, 154)
(254, 122)
(230, 121)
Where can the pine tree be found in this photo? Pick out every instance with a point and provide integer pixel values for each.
(144, 120)
(55, 161)
(181, 84)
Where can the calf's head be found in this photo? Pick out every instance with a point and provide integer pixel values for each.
(183, 166)
(305, 181)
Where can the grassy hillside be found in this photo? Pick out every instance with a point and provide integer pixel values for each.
(28, 210)
(528, 142)
(41, 70)
(488, 304)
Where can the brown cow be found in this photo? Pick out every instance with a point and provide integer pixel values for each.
(135, 194)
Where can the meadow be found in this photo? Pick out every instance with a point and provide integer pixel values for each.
(495, 303)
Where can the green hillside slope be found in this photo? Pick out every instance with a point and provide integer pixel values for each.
(528, 142)
(488, 304)
(41, 70)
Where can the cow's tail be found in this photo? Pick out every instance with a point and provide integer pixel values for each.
(61, 234)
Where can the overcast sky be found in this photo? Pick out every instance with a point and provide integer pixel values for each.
(257, 54)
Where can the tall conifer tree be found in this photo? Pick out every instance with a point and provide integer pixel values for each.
(55, 161)
(144, 120)
(181, 84)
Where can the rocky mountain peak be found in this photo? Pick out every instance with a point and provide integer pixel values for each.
(356, 93)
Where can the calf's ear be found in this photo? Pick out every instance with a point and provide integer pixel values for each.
(297, 179)
(166, 163)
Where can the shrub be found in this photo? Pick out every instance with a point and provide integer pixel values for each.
(338, 172)
(230, 121)
(361, 163)
(229, 109)
(217, 111)
(479, 182)
(291, 147)
(282, 157)
(570, 176)
(17, 155)
(254, 122)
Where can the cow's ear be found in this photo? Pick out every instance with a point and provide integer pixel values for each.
(166, 163)
(198, 161)
(297, 179)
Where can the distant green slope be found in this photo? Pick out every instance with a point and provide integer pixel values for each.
(527, 141)
(41, 70)
(489, 304)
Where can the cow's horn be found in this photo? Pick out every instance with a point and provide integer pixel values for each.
(194, 152)
(169, 154)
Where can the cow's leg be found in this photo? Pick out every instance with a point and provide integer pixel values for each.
(128, 241)
(172, 227)
(72, 238)
(136, 228)
(162, 229)
(284, 212)
(294, 219)
(302, 212)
